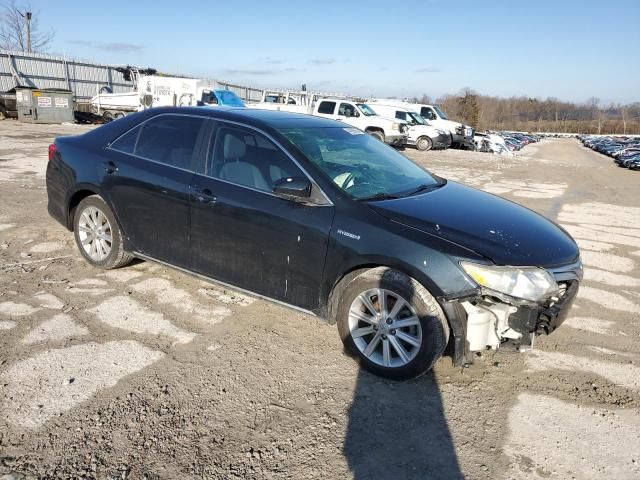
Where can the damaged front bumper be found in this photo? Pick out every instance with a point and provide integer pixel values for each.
(485, 321)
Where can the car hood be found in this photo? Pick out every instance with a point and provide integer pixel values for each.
(493, 227)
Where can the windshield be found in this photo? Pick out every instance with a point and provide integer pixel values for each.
(441, 114)
(366, 109)
(360, 165)
(417, 118)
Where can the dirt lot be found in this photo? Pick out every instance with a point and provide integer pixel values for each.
(145, 372)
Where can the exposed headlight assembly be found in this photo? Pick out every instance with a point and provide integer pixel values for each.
(526, 283)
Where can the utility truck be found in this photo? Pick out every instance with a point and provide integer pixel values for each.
(461, 135)
(152, 90)
(352, 112)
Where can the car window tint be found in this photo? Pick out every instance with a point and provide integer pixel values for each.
(327, 107)
(127, 142)
(245, 157)
(170, 139)
(401, 115)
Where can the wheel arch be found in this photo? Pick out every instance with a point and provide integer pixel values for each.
(334, 287)
(80, 193)
(374, 129)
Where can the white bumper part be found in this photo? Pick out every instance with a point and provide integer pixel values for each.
(488, 324)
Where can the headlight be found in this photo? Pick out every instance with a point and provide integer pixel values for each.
(395, 126)
(441, 132)
(527, 283)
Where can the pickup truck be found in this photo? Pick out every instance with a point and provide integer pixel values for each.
(357, 114)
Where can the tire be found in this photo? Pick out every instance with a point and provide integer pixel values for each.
(376, 134)
(108, 116)
(100, 245)
(424, 144)
(118, 115)
(423, 336)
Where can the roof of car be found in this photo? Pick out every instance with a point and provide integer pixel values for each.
(255, 117)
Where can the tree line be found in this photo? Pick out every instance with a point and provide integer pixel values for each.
(484, 112)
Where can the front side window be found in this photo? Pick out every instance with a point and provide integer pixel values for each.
(360, 165)
(347, 110)
(245, 157)
(168, 139)
(428, 113)
(327, 108)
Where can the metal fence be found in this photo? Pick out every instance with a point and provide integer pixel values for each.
(48, 71)
(82, 78)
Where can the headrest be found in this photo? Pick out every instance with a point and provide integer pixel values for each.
(234, 147)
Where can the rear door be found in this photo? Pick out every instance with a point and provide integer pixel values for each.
(146, 178)
(243, 234)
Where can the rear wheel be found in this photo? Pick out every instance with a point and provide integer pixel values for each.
(391, 324)
(376, 134)
(107, 116)
(97, 234)
(424, 144)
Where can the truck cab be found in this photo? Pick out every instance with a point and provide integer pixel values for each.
(360, 115)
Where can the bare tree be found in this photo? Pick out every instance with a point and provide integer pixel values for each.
(14, 32)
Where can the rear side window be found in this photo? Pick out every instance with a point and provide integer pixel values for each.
(127, 142)
(167, 139)
(327, 107)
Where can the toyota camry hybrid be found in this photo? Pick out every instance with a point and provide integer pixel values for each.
(317, 215)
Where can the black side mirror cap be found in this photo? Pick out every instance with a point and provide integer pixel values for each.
(293, 187)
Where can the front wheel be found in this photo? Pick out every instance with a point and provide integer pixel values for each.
(424, 144)
(97, 234)
(376, 134)
(391, 324)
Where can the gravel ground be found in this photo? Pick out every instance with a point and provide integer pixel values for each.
(145, 372)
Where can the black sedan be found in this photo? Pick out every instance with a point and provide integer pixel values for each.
(316, 215)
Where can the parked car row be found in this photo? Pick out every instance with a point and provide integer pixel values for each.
(625, 151)
(503, 143)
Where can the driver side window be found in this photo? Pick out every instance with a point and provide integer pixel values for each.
(347, 110)
(245, 157)
(428, 113)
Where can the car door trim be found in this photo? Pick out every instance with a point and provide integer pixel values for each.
(142, 256)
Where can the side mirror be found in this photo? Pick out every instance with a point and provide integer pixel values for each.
(356, 114)
(293, 187)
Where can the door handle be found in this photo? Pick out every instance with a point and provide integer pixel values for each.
(110, 167)
(204, 195)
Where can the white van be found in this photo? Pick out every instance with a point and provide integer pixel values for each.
(421, 134)
(461, 135)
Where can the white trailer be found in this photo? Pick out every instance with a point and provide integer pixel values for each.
(154, 91)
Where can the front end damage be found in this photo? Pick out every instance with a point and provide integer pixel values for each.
(489, 320)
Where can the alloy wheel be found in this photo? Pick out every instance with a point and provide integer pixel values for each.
(94, 232)
(385, 327)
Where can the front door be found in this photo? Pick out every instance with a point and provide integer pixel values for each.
(243, 234)
(147, 173)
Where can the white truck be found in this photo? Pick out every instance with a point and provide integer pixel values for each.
(357, 114)
(161, 91)
(422, 135)
(461, 135)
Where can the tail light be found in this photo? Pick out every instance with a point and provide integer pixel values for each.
(52, 151)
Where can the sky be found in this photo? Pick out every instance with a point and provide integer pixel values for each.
(568, 49)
